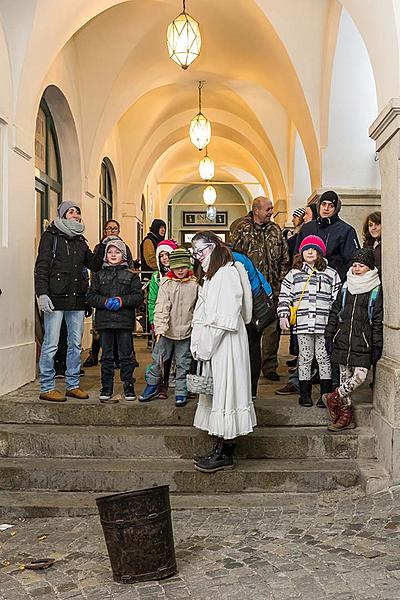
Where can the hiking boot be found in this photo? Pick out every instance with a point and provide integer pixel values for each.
(149, 392)
(129, 392)
(272, 376)
(106, 396)
(163, 391)
(91, 361)
(77, 393)
(332, 402)
(287, 390)
(220, 460)
(52, 396)
(326, 388)
(216, 450)
(344, 420)
(180, 400)
(305, 388)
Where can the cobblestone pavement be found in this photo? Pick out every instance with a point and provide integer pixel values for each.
(338, 547)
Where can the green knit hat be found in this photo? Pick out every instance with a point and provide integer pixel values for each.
(179, 258)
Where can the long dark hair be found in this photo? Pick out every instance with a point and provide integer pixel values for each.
(220, 256)
(320, 263)
(368, 240)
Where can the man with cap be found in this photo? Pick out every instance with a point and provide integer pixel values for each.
(148, 259)
(61, 288)
(339, 237)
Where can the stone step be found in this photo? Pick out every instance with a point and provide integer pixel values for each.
(112, 475)
(279, 411)
(179, 442)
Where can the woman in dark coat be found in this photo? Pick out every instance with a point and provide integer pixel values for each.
(61, 286)
(354, 334)
(372, 232)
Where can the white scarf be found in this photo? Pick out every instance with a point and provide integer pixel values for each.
(359, 284)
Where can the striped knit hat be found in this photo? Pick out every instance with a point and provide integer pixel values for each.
(314, 242)
(179, 258)
(299, 212)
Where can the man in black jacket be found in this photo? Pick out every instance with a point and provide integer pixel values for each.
(340, 238)
(148, 261)
(61, 287)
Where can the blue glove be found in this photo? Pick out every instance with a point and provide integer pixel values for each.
(329, 346)
(113, 304)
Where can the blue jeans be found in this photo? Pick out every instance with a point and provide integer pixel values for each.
(52, 325)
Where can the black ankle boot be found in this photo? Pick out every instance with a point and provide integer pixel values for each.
(326, 388)
(221, 459)
(216, 449)
(305, 393)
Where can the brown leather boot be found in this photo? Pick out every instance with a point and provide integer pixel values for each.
(332, 402)
(77, 393)
(52, 396)
(345, 419)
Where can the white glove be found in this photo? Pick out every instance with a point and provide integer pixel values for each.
(45, 304)
(284, 323)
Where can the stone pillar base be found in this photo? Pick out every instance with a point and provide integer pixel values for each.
(386, 416)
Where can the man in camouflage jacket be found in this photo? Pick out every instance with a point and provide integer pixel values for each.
(261, 240)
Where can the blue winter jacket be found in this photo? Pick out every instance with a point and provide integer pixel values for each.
(252, 273)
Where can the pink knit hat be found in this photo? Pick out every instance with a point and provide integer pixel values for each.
(315, 242)
(164, 246)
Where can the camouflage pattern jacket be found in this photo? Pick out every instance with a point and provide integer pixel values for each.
(265, 246)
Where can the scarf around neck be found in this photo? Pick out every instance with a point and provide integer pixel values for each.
(69, 227)
(359, 284)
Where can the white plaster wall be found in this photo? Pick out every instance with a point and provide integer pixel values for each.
(348, 161)
(301, 179)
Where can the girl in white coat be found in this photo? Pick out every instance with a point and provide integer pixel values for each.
(219, 335)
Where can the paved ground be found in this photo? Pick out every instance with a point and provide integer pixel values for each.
(338, 547)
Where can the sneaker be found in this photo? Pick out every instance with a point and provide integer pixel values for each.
(77, 393)
(162, 391)
(180, 400)
(292, 362)
(91, 361)
(81, 373)
(149, 392)
(60, 370)
(52, 396)
(272, 376)
(129, 391)
(287, 390)
(106, 396)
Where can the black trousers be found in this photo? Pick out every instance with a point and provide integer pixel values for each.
(254, 338)
(123, 339)
(60, 357)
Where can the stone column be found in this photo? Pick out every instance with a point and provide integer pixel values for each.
(386, 412)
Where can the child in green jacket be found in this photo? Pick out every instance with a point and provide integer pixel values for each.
(163, 251)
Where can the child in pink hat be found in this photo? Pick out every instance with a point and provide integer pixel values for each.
(308, 292)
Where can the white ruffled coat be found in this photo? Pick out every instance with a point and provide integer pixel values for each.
(223, 307)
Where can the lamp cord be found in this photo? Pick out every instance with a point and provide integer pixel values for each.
(201, 83)
(184, 5)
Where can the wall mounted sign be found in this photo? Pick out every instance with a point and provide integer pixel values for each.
(199, 219)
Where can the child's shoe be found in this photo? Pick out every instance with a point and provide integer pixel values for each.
(163, 391)
(129, 391)
(149, 392)
(344, 420)
(105, 396)
(180, 400)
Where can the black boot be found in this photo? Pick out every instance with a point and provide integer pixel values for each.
(326, 388)
(216, 449)
(222, 459)
(305, 393)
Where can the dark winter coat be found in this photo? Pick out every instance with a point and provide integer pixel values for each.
(108, 283)
(352, 333)
(340, 240)
(62, 277)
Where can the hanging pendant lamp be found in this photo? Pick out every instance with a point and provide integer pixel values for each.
(206, 167)
(200, 127)
(183, 39)
(209, 195)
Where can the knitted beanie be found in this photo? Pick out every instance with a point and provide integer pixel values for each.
(65, 206)
(364, 256)
(179, 258)
(299, 212)
(164, 246)
(315, 242)
(117, 243)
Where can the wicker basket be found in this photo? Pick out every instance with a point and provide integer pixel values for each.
(201, 382)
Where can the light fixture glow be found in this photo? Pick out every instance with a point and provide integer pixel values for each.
(206, 168)
(183, 39)
(200, 127)
(209, 195)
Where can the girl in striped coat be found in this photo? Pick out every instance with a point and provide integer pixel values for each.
(312, 287)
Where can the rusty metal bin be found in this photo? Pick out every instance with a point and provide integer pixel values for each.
(137, 528)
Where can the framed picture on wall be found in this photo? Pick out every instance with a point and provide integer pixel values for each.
(199, 219)
(187, 236)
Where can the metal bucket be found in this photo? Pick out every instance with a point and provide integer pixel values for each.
(138, 531)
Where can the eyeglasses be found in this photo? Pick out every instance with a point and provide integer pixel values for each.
(200, 253)
(112, 228)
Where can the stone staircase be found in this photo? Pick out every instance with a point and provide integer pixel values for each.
(55, 458)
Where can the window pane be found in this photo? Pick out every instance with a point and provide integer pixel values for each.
(53, 203)
(52, 158)
(40, 141)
